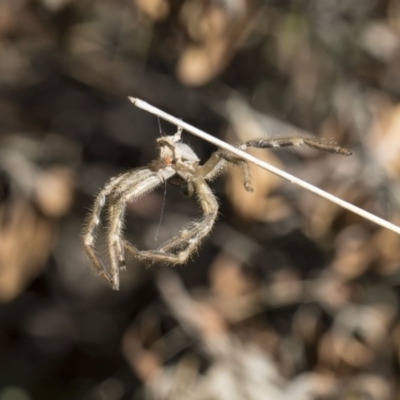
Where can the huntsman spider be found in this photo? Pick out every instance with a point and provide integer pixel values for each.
(178, 165)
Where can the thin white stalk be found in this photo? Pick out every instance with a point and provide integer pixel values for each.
(219, 143)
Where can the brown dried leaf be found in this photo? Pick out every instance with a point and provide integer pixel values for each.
(26, 240)
(156, 10)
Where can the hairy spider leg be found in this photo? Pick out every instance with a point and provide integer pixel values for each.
(216, 164)
(218, 160)
(116, 184)
(93, 222)
(194, 233)
(188, 239)
(296, 141)
(129, 182)
(116, 209)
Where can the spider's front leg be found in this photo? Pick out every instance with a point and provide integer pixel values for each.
(130, 190)
(93, 222)
(114, 197)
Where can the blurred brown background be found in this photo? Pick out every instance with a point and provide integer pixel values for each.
(290, 297)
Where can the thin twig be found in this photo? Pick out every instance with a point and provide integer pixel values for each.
(189, 128)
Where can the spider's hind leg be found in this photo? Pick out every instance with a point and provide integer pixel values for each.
(178, 249)
(189, 239)
(217, 162)
(295, 141)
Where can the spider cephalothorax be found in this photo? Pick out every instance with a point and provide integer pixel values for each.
(179, 165)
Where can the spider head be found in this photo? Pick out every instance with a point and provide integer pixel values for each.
(173, 151)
